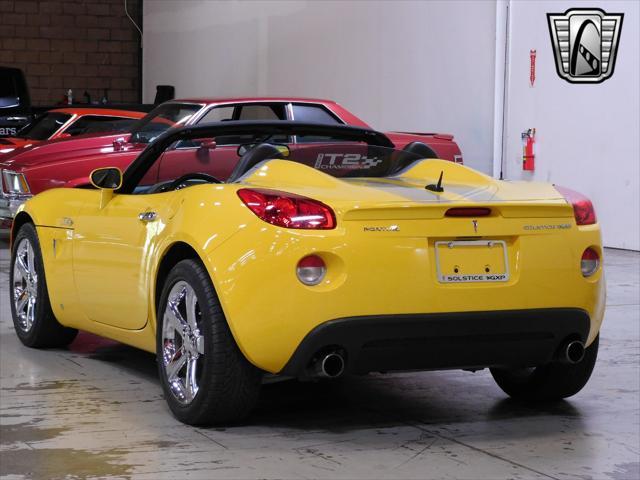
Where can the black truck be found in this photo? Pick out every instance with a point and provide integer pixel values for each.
(16, 110)
(15, 104)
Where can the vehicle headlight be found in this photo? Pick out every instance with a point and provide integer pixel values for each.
(14, 182)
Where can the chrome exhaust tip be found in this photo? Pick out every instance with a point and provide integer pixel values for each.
(573, 352)
(332, 365)
(328, 365)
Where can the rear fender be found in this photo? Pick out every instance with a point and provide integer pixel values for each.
(204, 223)
(442, 144)
(21, 218)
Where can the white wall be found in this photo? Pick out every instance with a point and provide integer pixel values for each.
(424, 66)
(588, 136)
(402, 65)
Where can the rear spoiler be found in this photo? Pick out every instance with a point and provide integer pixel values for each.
(442, 136)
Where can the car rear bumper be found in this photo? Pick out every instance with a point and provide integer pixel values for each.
(442, 341)
(370, 274)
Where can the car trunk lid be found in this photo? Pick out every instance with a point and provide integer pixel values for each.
(399, 211)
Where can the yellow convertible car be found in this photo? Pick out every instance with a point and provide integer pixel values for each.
(324, 252)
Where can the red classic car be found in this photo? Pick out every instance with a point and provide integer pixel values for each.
(70, 122)
(68, 163)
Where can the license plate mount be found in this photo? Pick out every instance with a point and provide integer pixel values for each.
(472, 261)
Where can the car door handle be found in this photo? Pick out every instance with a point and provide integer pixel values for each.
(147, 216)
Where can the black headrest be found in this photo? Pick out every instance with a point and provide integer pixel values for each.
(411, 153)
(264, 151)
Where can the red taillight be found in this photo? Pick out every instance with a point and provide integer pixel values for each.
(288, 209)
(468, 212)
(589, 262)
(583, 209)
(311, 270)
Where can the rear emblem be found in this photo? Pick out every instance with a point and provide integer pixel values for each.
(391, 228)
(475, 225)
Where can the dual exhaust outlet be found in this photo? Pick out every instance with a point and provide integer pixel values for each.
(331, 364)
(328, 365)
(571, 352)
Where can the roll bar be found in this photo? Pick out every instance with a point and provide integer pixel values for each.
(149, 155)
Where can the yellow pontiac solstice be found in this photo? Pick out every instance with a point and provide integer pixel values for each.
(237, 249)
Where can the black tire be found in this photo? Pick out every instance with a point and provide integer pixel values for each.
(228, 385)
(44, 331)
(550, 382)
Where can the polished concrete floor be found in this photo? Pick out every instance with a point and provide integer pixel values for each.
(96, 411)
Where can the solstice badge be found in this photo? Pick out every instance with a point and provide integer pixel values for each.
(585, 43)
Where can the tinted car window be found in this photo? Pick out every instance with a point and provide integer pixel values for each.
(116, 125)
(262, 112)
(8, 86)
(162, 118)
(256, 112)
(13, 91)
(268, 112)
(45, 126)
(92, 124)
(217, 114)
(313, 114)
(245, 112)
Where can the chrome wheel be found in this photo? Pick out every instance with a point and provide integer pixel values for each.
(182, 342)
(24, 287)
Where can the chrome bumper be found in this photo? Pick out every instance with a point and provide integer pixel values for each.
(9, 205)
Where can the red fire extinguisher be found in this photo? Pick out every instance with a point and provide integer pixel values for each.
(528, 153)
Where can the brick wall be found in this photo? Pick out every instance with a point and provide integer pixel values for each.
(79, 44)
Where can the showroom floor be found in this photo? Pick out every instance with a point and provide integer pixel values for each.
(97, 411)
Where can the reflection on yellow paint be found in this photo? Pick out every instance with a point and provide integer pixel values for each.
(106, 274)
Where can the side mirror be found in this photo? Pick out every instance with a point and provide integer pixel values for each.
(118, 144)
(109, 178)
(206, 143)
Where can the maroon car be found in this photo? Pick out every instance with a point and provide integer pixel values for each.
(68, 162)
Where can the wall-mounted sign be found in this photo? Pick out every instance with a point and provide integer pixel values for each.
(532, 68)
(585, 43)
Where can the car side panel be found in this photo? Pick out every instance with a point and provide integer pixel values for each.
(218, 162)
(206, 217)
(56, 247)
(52, 213)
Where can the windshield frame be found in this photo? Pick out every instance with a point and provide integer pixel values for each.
(153, 114)
(24, 131)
